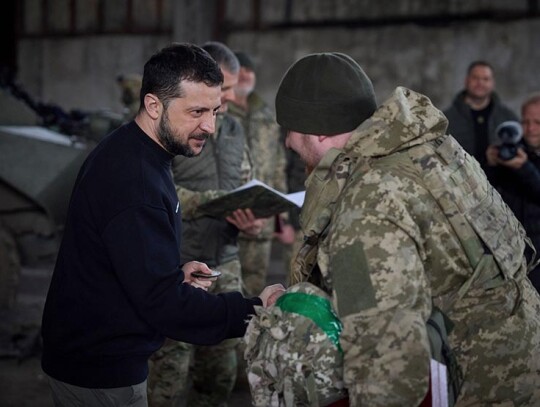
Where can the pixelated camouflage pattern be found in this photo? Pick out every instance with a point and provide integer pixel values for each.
(263, 137)
(214, 367)
(401, 217)
(290, 360)
(214, 374)
(190, 200)
(130, 86)
(168, 377)
(202, 376)
(255, 260)
(269, 163)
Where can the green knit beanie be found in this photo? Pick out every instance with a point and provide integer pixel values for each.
(324, 94)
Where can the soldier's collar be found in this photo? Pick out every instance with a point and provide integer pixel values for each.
(322, 189)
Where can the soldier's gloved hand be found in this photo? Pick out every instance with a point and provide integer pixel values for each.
(271, 293)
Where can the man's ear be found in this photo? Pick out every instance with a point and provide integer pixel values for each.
(153, 105)
(321, 138)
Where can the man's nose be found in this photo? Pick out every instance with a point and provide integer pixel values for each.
(208, 125)
(229, 95)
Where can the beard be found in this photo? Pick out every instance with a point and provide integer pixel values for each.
(173, 143)
(244, 91)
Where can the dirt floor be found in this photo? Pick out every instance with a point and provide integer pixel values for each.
(22, 382)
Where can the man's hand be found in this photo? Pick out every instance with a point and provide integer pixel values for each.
(246, 222)
(193, 266)
(517, 162)
(271, 293)
(492, 156)
(287, 234)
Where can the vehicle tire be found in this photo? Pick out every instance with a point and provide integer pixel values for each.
(10, 269)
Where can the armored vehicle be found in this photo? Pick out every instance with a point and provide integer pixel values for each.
(41, 150)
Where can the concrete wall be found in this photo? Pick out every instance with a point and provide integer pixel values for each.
(80, 72)
(70, 52)
(432, 60)
(422, 44)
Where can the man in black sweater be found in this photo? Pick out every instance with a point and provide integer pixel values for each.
(118, 287)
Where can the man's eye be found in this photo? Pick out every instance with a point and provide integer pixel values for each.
(197, 113)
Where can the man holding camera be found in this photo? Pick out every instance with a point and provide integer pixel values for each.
(476, 111)
(516, 174)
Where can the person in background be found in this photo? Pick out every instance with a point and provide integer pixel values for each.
(267, 154)
(268, 159)
(205, 376)
(400, 225)
(518, 178)
(119, 286)
(476, 111)
(130, 86)
(291, 235)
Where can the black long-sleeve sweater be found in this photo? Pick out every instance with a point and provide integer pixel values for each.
(117, 289)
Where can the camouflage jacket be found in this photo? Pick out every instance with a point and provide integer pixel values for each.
(402, 218)
(191, 198)
(222, 166)
(265, 146)
(263, 138)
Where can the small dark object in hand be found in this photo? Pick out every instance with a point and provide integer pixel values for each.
(200, 274)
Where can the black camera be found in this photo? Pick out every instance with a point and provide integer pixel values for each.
(510, 135)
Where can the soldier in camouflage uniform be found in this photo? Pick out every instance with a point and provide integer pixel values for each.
(296, 178)
(268, 159)
(223, 165)
(398, 219)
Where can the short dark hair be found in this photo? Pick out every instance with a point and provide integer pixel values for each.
(474, 64)
(533, 99)
(223, 56)
(245, 60)
(165, 70)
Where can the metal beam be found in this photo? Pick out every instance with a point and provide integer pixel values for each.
(422, 20)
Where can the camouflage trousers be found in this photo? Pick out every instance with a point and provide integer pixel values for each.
(255, 260)
(186, 375)
(168, 377)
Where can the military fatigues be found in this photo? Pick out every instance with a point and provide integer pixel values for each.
(403, 218)
(293, 351)
(296, 178)
(130, 85)
(268, 158)
(206, 373)
(169, 379)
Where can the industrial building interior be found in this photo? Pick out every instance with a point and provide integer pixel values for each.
(61, 60)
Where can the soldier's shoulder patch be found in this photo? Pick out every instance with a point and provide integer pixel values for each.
(351, 279)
